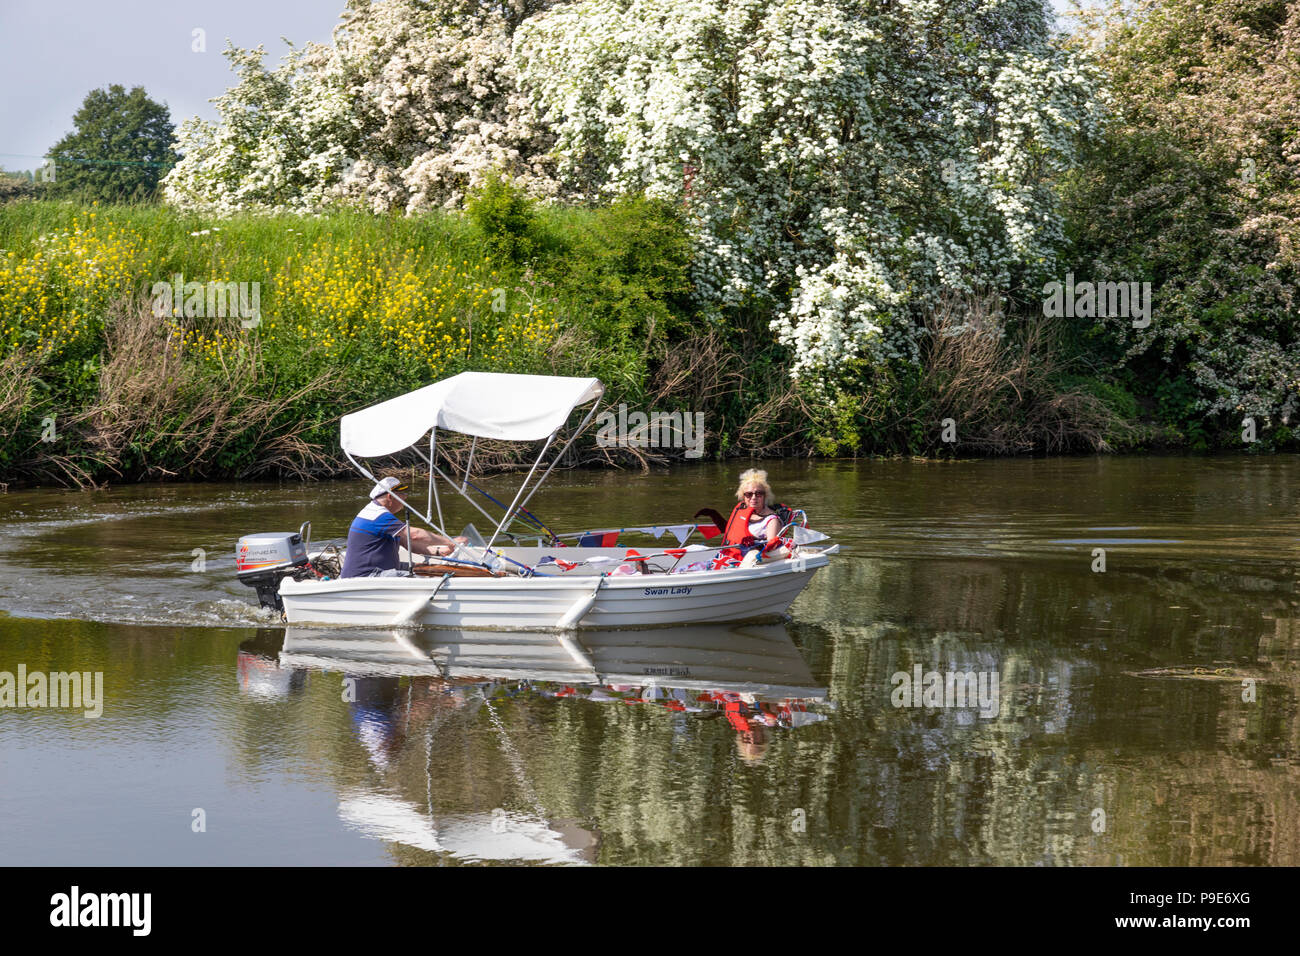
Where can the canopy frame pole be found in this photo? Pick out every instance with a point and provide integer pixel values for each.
(511, 511)
(468, 464)
(578, 431)
(427, 519)
(452, 481)
(410, 555)
(365, 472)
(433, 480)
(409, 507)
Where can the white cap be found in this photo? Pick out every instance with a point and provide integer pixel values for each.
(386, 485)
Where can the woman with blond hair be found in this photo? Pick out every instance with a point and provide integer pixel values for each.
(755, 510)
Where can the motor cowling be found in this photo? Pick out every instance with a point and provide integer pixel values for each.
(262, 561)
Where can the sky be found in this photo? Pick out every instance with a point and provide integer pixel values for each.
(54, 52)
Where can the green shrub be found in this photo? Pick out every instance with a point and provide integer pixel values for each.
(631, 261)
(504, 215)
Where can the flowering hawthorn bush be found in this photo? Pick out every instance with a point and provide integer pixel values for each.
(409, 107)
(845, 162)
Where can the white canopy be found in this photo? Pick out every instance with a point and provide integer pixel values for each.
(485, 404)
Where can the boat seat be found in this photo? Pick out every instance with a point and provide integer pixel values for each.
(455, 570)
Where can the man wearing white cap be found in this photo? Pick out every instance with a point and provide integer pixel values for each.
(375, 532)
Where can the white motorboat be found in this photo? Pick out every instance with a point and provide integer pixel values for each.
(547, 585)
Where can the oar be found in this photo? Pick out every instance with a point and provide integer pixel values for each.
(409, 615)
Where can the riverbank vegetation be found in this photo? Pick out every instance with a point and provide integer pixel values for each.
(1194, 185)
(815, 269)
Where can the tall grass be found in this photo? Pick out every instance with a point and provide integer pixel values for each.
(354, 309)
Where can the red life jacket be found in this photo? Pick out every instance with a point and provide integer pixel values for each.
(737, 535)
(737, 528)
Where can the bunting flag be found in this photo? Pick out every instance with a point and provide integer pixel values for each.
(677, 553)
(806, 535)
(562, 565)
(680, 531)
(607, 539)
(709, 531)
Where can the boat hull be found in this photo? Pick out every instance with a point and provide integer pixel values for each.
(542, 602)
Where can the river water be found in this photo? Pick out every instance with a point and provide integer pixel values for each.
(1146, 714)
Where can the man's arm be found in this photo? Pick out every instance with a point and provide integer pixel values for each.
(428, 542)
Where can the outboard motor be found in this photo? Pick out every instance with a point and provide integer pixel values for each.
(262, 561)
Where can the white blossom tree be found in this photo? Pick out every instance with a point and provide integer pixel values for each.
(411, 105)
(844, 160)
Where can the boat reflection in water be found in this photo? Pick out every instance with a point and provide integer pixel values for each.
(259, 670)
(412, 694)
